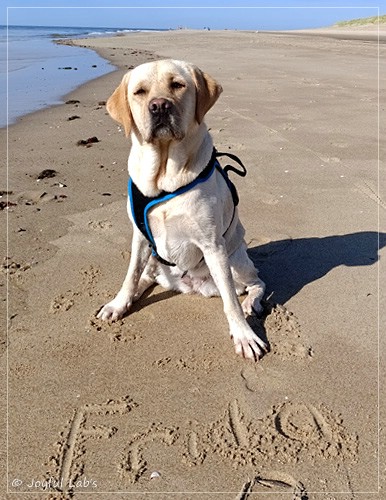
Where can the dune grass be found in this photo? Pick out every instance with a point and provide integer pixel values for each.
(362, 21)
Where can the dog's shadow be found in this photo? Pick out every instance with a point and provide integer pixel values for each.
(287, 266)
(148, 298)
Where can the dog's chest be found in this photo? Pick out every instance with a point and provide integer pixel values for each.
(174, 235)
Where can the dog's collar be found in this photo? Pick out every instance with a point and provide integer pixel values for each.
(141, 204)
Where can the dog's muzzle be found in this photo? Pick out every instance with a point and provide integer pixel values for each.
(164, 119)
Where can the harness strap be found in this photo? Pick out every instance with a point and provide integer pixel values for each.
(236, 159)
(141, 204)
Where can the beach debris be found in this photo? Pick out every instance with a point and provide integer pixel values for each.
(4, 193)
(155, 474)
(73, 117)
(36, 197)
(72, 101)
(7, 204)
(47, 173)
(10, 266)
(87, 142)
(60, 197)
(101, 105)
(106, 194)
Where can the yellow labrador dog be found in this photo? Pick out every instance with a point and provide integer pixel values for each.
(180, 200)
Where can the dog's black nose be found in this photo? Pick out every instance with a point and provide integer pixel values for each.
(159, 106)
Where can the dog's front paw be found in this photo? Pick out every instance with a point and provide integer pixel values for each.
(249, 345)
(114, 310)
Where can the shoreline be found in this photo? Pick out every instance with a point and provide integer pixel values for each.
(63, 98)
(359, 33)
(68, 95)
(173, 391)
(41, 74)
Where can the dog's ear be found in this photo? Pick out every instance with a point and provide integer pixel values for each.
(118, 105)
(207, 93)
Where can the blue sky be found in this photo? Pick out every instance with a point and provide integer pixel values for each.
(216, 14)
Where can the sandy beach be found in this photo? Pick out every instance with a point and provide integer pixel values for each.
(157, 405)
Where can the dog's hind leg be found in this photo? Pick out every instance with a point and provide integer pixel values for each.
(246, 279)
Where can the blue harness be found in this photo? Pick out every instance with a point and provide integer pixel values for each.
(141, 204)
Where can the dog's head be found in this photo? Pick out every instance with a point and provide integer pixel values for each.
(161, 100)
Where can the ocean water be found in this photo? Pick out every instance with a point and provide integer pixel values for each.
(32, 66)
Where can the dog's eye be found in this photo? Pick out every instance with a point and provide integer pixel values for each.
(140, 91)
(177, 85)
